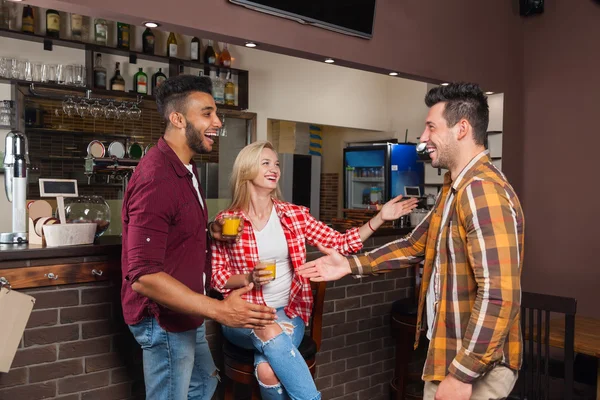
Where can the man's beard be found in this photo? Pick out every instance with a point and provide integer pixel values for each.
(194, 139)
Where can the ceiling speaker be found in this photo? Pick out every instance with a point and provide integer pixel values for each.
(531, 7)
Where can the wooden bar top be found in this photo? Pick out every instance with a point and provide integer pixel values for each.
(104, 246)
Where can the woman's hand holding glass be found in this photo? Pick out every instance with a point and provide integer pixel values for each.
(260, 276)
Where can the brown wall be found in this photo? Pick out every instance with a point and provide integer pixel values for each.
(561, 83)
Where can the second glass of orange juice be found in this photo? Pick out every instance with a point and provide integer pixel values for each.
(270, 265)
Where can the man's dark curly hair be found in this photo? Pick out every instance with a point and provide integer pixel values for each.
(463, 100)
(172, 94)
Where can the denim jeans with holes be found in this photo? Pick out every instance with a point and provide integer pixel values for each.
(176, 365)
(281, 352)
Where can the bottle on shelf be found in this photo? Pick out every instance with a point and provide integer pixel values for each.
(195, 49)
(225, 56)
(172, 45)
(76, 27)
(117, 82)
(157, 80)
(229, 90)
(210, 57)
(148, 40)
(100, 31)
(123, 35)
(218, 87)
(52, 23)
(99, 73)
(28, 20)
(140, 82)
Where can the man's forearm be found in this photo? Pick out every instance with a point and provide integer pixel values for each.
(169, 292)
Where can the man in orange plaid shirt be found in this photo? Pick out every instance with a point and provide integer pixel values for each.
(472, 247)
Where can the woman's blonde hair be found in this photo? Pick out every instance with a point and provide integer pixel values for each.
(245, 169)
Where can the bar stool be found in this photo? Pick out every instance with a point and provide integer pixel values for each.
(403, 327)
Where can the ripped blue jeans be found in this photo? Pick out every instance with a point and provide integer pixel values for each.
(281, 352)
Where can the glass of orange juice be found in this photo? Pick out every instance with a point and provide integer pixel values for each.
(231, 223)
(270, 265)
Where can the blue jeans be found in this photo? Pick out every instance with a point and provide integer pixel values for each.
(281, 352)
(176, 365)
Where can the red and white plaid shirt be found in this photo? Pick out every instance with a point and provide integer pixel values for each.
(299, 226)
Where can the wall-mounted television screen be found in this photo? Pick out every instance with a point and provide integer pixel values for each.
(352, 17)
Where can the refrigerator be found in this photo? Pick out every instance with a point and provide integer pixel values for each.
(376, 173)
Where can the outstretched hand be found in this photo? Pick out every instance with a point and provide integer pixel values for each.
(330, 267)
(397, 207)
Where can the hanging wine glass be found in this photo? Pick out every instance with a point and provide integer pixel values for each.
(83, 108)
(122, 112)
(69, 107)
(96, 109)
(110, 111)
(135, 113)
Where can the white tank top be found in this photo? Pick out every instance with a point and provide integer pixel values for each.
(272, 245)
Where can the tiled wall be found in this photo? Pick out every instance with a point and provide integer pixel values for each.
(57, 149)
(330, 186)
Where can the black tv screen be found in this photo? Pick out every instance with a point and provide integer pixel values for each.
(354, 17)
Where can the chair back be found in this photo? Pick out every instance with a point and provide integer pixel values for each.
(316, 318)
(535, 324)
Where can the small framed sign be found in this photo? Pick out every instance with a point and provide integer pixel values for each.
(58, 187)
(412, 191)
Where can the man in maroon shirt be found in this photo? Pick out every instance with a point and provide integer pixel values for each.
(165, 259)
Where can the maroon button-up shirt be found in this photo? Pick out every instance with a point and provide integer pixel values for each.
(164, 230)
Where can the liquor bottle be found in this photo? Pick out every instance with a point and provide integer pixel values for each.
(99, 73)
(225, 57)
(195, 49)
(157, 80)
(100, 31)
(172, 45)
(229, 90)
(123, 36)
(28, 20)
(140, 82)
(148, 41)
(218, 87)
(117, 82)
(210, 57)
(76, 26)
(52, 23)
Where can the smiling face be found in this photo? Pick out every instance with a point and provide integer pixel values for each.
(268, 171)
(203, 124)
(441, 141)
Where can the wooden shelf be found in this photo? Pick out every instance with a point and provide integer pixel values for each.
(43, 131)
(175, 64)
(494, 133)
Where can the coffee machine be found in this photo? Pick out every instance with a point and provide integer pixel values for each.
(16, 165)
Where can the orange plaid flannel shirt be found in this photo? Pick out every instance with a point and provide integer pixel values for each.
(480, 252)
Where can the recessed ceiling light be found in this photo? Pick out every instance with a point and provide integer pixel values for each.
(488, 93)
(151, 24)
(393, 74)
(329, 60)
(250, 44)
(445, 84)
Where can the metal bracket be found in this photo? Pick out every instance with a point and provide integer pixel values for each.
(51, 276)
(4, 283)
(48, 44)
(132, 58)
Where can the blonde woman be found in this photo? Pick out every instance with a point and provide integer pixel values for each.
(277, 230)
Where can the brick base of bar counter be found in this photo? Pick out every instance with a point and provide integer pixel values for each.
(76, 345)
